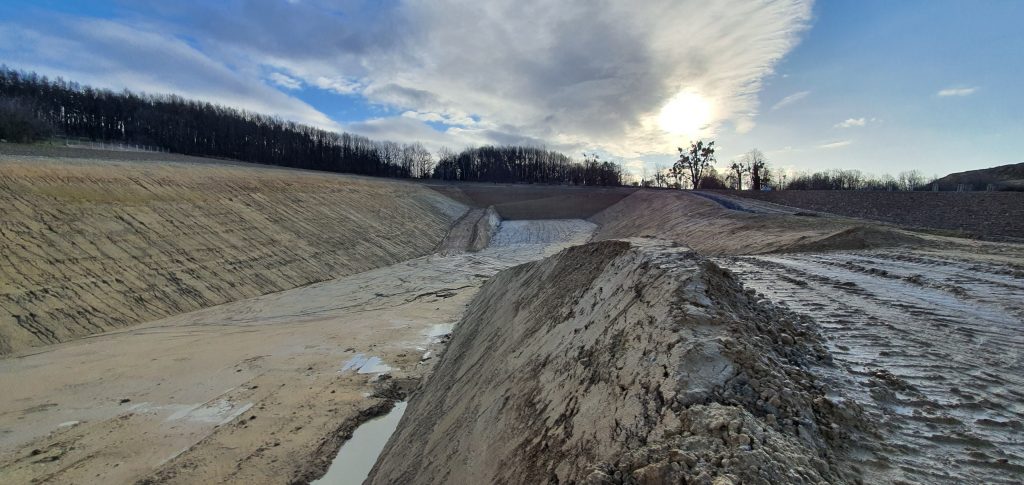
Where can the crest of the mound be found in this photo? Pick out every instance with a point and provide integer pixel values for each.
(621, 359)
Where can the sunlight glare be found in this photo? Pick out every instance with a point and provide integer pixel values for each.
(686, 113)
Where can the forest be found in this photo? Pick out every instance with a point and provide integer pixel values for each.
(33, 107)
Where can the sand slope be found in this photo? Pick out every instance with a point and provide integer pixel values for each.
(91, 245)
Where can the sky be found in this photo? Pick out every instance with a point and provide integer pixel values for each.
(874, 85)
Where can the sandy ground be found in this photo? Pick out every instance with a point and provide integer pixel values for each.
(91, 245)
(250, 391)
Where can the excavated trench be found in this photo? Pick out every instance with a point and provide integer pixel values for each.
(666, 337)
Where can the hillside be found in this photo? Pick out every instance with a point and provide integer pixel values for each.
(92, 244)
(1003, 177)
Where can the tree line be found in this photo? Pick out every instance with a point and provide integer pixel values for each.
(695, 170)
(525, 164)
(33, 107)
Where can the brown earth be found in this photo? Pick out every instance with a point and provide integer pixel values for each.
(91, 245)
(619, 362)
(712, 229)
(986, 215)
(522, 201)
(873, 354)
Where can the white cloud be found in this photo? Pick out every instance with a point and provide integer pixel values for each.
(788, 100)
(852, 122)
(284, 81)
(835, 144)
(957, 92)
(337, 84)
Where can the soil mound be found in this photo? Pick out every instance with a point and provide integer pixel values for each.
(92, 245)
(710, 228)
(623, 362)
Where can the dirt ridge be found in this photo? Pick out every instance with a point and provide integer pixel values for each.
(623, 362)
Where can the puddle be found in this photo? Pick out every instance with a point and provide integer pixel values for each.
(358, 455)
(438, 330)
(365, 364)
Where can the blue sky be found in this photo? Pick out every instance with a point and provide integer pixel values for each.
(880, 86)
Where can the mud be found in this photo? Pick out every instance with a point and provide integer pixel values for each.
(623, 362)
(931, 343)
(253, 391)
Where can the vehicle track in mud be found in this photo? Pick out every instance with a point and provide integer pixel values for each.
(932, 345)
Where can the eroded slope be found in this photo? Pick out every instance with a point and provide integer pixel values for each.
(91, 245)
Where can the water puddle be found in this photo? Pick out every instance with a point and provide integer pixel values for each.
(438, 330)
(358, 455)
(365, 364)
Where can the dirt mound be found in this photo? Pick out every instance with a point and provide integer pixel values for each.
(710, 228)
(88, 246)
(623, 362)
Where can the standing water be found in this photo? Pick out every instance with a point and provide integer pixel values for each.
(357, 456)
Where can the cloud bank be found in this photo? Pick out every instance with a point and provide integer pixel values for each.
(574, 75)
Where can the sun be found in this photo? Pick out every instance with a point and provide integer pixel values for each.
(686, 113)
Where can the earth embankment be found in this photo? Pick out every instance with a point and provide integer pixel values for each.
(623, 362)
(710, 227)
(89, 244)
(522, 201)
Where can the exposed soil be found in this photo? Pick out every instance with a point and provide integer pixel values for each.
(521, 201)
(929, 343)
(619, 362)
(717, 226)
(986, 215)
(90, 245)
(253, 391)
(696, 336)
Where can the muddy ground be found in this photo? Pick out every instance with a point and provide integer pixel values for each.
(677, 336)
(261, 390)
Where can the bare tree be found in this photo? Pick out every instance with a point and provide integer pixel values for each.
(757, 166)
(738, 169)
(695, 161)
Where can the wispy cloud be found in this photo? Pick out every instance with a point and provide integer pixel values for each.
(957, 92)
(284, 81)
(852, 122)
(835, 144)
(788, 100)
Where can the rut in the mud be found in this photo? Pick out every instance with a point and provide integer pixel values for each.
(930, 343)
